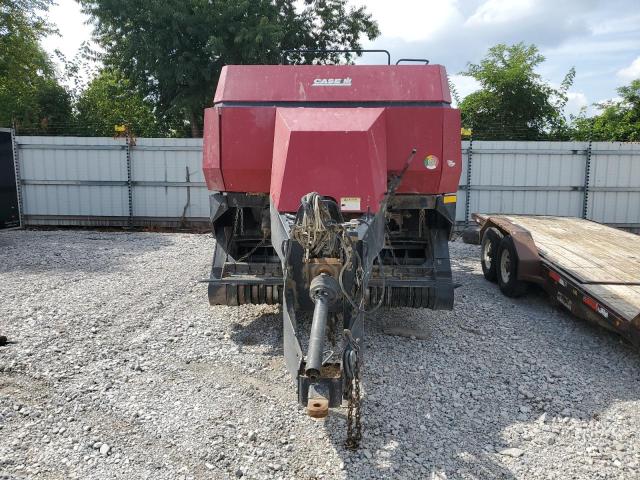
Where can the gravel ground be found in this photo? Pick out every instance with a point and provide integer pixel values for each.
(119, 368)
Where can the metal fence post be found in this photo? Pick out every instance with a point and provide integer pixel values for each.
(16, 167)
(129, 182)
(587, 172)
(467, 205)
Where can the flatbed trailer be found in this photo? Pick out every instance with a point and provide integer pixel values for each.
(590, 269)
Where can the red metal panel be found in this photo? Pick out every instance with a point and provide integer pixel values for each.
(247, 147)
(337, 152)
(420, 128)
(335, 83)
(451, 151)
(239, 143)
(211, 150)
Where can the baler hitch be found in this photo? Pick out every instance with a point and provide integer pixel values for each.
(324, 292)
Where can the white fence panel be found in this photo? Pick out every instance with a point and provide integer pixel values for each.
(101, 181)
(528, 177)
(614, 183)
(167, 177)
(72, 176)
(92, 181)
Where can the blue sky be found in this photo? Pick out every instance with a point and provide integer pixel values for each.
(601, 38)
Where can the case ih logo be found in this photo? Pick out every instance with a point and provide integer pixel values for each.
(332, 82)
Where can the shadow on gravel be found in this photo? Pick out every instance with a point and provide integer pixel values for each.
(495, 374)
(492, 375)
(453, 422)
(86, 251)
(264, 330)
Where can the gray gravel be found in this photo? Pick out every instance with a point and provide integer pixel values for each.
(119, 368)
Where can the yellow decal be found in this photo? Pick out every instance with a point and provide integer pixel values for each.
(450, 198)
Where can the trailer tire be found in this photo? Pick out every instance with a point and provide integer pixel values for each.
(489, 253)
(507, 269)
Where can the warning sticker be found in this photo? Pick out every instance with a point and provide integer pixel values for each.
(350, 204)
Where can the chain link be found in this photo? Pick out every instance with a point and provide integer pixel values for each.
(354, 408)
(421, 223)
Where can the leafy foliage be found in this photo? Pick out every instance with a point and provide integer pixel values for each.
(514, 102)
(110, 100)
(619, 120)
(30, 94)
(173, 50)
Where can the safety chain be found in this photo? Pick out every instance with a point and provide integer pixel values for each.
(354, 429)
(354, 407)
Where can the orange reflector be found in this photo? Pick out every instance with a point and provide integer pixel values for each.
(554, 276)
(590, 302)
(450, 198)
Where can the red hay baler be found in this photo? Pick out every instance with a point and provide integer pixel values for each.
(333, 192)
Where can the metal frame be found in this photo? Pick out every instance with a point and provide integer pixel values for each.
(152, 148)
(285, 53)
(587, 172)
(16, 166)
(564, 290)
(114, 183)
(467, 197)
(113, 221)
(16, 170)
(288, 279)
(129, 184)
(561, 286)
(421, 60)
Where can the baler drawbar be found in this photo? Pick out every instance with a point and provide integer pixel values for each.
(333, 192)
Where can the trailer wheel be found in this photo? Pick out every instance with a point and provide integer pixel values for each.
(489, 253)
(507, 269)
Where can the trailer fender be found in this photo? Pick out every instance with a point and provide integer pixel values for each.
(529, 263)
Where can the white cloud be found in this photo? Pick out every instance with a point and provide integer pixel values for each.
(464, 85)
(72, 24)
(412, 20)
(617, 25)
(576, 101)
(500, 11)
(631, 72)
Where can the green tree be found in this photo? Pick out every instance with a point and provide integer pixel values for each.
(173, 50)
(514, 102)
(618, 121)
(111, 100)
(30, 94)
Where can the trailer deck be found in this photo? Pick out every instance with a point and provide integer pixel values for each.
(583, 264)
